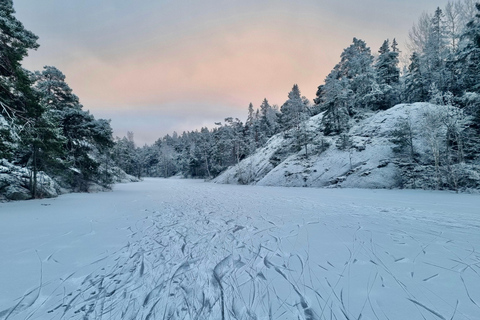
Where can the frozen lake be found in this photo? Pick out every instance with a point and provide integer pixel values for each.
(185, 249)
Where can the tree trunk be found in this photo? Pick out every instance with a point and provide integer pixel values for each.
(35, 170)
(206, 164)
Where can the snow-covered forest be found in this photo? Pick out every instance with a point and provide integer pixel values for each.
(441, 153)
(43, 127)
(400, 117)
(49, 144)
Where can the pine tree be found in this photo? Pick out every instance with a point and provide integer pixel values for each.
(251, 115)
(335, 99)
(294, 110)
(238, 142)
(267, 119)
(7, 141)
(253, 136)
(125, 154)
(453, 24)
(468, 66)
(430, 61)
(395, 46)
(16, 98)
(416, 83)
(386, 65)
(46, 141)
(468, 59)
(83, 133)
(55, 92)
(436, 51)
(384, 93)
(349, 87)
(356, 65)
(18, 104)
(203, 152)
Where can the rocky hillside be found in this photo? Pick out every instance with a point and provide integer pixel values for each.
(361, 158)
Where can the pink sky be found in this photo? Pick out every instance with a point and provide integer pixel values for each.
(155, 67)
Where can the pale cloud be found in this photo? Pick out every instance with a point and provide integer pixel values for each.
(147, 121)
(158, 66)
(223, 68)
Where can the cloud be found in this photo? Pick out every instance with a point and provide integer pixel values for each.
(215, 66)
(158, 66)
(150, 124)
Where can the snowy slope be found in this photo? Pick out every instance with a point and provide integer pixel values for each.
(183, 249)
(368, 164)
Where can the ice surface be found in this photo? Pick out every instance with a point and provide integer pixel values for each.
(183, 249)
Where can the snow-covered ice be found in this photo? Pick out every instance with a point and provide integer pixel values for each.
(183, 249)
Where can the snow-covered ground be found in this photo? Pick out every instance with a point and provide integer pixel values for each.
(183, 249)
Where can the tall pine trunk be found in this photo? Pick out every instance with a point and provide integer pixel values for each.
(35, 171)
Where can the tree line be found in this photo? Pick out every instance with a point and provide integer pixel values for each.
(443, 68)
(44, 127)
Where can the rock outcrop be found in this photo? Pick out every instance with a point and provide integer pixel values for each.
(363, 157)
(15, 183)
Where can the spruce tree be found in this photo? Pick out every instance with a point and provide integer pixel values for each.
(356, 65)
(386, 65)
(267, 119)
(468, 58)
(336, 101)
(294, 110)
(251, 115)
(416, 82)
(385, 91)
(436, 53)
(468, 66)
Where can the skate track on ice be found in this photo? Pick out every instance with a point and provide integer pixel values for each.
(183, 249)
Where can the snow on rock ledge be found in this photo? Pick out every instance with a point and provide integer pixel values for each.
(119, 176)
(14, 182)
(368, 164)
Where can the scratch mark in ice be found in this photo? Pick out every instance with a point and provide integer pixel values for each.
(427, 308)
(431, 277)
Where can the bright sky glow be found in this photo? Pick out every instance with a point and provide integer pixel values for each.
(154, 67)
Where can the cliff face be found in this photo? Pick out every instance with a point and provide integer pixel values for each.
(361, 158)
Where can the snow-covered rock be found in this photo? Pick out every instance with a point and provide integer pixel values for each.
(367, 163)
(120, 176)
(16, 192)
(15, 181)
